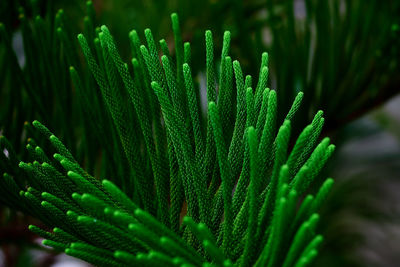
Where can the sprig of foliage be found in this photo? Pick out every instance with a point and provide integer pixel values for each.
(323, 51)
(232, 176)
(343, 55)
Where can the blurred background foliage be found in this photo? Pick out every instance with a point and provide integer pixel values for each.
(343, 54)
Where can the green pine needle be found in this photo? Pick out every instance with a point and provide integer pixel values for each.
(215, 189)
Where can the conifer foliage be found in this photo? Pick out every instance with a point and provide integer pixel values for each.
(221, 187)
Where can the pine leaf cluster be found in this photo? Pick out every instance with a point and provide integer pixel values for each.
(185, 186)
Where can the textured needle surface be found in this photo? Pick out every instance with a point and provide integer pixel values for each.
(185, 187)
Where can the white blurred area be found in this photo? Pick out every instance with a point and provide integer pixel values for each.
(64, 260)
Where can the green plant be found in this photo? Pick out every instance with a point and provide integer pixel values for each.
(228, 171)
(342, 54)
(345, 55)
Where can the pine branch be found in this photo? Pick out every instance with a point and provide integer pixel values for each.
(236, 180)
